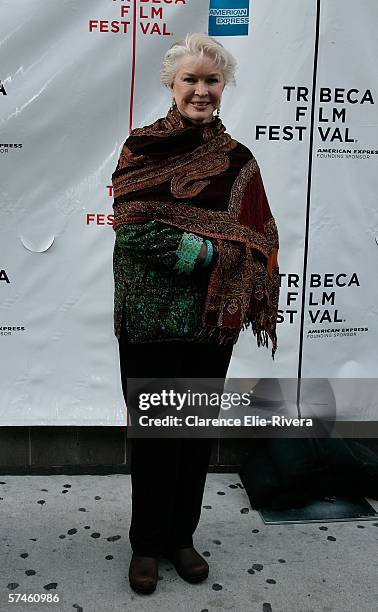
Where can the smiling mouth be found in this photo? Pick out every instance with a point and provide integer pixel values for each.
(200, 104)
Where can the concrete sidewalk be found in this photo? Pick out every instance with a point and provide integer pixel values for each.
(68, 536)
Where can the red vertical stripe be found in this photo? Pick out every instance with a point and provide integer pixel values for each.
(133, 57)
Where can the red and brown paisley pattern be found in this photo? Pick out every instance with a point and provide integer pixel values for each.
(180, 163)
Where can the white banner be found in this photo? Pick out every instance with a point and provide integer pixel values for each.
(74, 77)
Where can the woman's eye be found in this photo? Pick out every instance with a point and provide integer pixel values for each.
(192, 80)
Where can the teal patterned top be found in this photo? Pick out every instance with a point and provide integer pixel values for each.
(163, 296)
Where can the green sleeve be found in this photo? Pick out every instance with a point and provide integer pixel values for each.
(160, 245)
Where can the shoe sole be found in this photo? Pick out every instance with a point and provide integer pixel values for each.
(141, 590)
(192, 579)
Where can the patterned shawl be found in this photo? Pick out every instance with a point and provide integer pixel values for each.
(198, 179)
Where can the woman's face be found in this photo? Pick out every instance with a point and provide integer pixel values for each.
(197, 88)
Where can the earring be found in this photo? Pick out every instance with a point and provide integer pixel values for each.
(217, 112)
(173, 105)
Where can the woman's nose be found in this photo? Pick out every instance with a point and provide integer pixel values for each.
(201, 89)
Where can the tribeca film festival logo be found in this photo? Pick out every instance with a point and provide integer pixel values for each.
(150, 13)
(228, 17)
(321, 303)
(331, 119)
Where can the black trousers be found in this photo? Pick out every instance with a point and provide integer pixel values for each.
(168, 474)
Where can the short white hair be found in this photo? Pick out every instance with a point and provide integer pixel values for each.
(198, 45)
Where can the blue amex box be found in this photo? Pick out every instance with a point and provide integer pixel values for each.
(228, 17)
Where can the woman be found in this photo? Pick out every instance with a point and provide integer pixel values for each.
(195, 260)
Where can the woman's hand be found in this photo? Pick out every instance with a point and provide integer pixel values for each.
(202, 254)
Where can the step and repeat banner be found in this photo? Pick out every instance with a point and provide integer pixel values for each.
(75, 77)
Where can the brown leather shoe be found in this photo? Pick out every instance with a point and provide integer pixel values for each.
(188, 564)
(143, 574)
